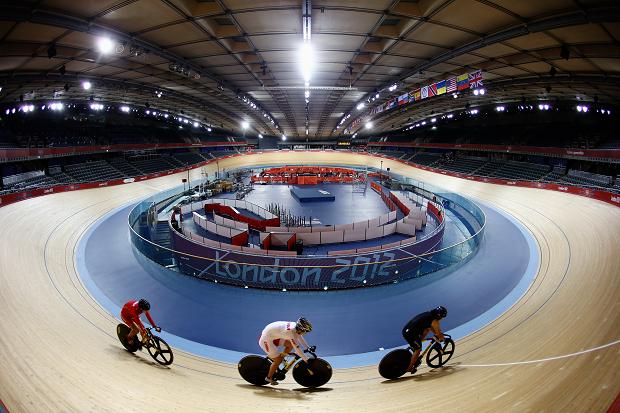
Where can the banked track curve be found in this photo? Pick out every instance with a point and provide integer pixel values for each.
(59, 351)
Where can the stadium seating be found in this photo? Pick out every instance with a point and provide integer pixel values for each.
(93, 171)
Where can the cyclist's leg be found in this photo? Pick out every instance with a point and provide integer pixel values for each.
(415, 342)
(274, 354)
(134, 328)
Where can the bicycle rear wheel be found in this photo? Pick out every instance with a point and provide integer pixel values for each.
(254, 369)
(439, 354)
(317, 374)
(160, 351)
(395, 364)
(121, 331)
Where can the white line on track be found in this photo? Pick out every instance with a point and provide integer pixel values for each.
(613, 343)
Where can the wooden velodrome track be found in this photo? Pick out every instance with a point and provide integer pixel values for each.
(60, 353)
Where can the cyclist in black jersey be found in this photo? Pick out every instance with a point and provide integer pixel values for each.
(418, 327)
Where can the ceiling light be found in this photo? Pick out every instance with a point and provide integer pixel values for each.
(125, 109)
(105, 45)
(283, 137)
(454, 95)
(476, 92)
(260, 136)
(245, 125)
(86, 85)
(360, 106)
(196, 124)
(368, 125)
(306, 61)
(377, 96)
(434, 120)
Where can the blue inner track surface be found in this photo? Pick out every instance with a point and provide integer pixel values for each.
(350, 326)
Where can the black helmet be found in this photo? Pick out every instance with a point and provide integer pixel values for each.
(303, 325)
(439, 312)
(144, 305)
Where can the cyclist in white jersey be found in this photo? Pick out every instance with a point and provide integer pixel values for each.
(287, 334)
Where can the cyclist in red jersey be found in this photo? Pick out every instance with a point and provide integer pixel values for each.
(131, 316)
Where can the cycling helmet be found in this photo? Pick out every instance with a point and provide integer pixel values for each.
(303, 325)
(440, 312)
(144, 305)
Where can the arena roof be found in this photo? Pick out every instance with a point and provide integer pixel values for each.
(215, 60)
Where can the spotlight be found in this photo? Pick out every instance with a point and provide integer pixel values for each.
(208, 129)
(283, 137)
(196, 124)
(476, 92)
(125, 109)
(360, 106)
(245, 125)
(454, 95)
(105, 45)
(260, 136)
(368, 125)
(86, 85)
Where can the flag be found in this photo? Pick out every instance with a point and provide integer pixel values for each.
(402, 99)
(417, 95)
(475, 79)
(432, 89)
(441, 87)
(451, 85)
(462, 81)
(424, 92)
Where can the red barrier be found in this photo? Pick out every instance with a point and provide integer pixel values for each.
(21, 153)
(573, 152)
(253, 223)
(240, 239)
(266, 242)
(400, 204)
(376, 187)
(430, 207)
(290, 244)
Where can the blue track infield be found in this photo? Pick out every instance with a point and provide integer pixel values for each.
(224, 322)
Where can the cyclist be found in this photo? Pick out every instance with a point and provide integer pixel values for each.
(287, 334)
(418, 327)
(131, 316)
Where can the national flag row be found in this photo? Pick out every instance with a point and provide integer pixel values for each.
(453, 84)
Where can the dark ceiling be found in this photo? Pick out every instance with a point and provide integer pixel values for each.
(206, 56)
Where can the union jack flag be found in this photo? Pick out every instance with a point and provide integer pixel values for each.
(475, 79)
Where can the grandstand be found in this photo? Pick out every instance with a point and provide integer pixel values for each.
(93, 171)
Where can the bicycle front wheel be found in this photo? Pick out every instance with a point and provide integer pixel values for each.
(160, 351)
(439, 354)
(317, 374)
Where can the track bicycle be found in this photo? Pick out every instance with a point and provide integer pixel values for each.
(315, 373)
(395, 363)
(159, 350)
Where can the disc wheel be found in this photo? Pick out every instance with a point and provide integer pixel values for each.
(254, 369)
(395, 364)
(121, 331)
(439, 354)
(160, 351)
(317, 374)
